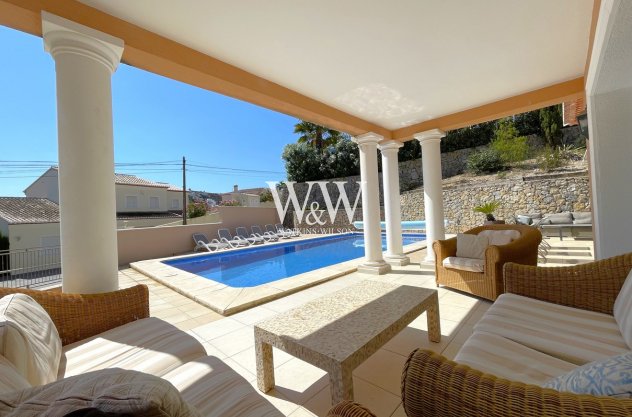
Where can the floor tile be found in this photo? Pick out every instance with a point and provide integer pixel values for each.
(384, 369)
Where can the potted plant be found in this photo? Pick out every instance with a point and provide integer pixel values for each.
(488, 210)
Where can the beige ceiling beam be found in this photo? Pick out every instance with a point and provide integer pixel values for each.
(157, 54)
(532, 100)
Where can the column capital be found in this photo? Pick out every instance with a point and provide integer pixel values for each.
(390, 145)
(433, 135)
(368, 138)
(63, 36)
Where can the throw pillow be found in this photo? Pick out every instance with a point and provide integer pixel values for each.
(622, 310)
(29, 339)
(471, 246)
(523, 219)
(500, 237)
(559, 218)
(582, 217)
(611, 376)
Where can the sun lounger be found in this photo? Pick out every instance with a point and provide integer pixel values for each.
(234, 242)
(202, 242)
(281, 233)
(293, 232)
(269, 237)
(242, 232)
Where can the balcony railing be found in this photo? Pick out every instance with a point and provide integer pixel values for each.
(30, 268)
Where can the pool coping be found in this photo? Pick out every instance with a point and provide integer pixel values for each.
(227, 300)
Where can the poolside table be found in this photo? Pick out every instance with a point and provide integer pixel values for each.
(339, 331)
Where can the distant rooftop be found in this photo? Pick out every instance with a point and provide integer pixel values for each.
(127, 179)
(28, 210)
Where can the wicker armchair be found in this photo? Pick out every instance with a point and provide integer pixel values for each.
(432, 385)
(488, 284)
(79, 316)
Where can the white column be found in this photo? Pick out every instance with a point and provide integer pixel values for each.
(84, 62)
(392, 211)
(433, 192)
(374, 263)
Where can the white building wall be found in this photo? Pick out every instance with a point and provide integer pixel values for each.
(28, 236)
(174, 197)
(143, 196)
(46, 186)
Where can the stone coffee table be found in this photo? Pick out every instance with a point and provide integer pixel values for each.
(340, 331)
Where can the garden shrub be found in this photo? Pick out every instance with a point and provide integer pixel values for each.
(485, 161)
(196, 209)
(550, 158)
(551, 123)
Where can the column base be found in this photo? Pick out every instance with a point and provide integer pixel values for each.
(374, 268)
(397, 260)
(429, 259)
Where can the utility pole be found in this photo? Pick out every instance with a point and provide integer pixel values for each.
(184, 191)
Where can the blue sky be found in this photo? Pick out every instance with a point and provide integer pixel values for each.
(155, 119)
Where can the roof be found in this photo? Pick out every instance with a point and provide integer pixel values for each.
(28, 210)
(127, 179)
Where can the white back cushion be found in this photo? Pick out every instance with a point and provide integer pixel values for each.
(500, 237)
(623, 310)
(29, 339)
(10, 379)
(471, 246)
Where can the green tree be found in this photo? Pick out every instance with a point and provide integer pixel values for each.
(317, 136)
(196, 209)
(510, 146)
(302, 162)
(343, 159)
(551, 123)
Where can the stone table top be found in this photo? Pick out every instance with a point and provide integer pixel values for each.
(338, 326)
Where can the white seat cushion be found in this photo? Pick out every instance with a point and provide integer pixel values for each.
(623, 310)
(108, 390)
(148, 345)
(466, 264)
(471, 246)
(574, 335)
(496, 355)
(216, 390)
(29, 339)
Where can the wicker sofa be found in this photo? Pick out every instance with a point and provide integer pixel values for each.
(432, 385)
(113, 351)
(489, 283)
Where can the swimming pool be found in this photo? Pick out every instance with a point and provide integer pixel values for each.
(259, 265)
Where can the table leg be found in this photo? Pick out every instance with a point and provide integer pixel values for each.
(265, 366)
(341, 381)
(434, 323)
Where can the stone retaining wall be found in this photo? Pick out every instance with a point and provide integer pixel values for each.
(549, 195)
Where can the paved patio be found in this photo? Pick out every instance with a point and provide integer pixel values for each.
(302, 389)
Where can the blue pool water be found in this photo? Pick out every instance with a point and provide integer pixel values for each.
(262, 264)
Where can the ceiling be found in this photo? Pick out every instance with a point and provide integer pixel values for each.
(394, 63)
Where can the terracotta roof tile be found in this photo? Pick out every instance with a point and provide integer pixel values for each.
(28, 210)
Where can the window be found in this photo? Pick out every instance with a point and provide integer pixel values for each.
(131, 202)
(154, 202)
(175, 203)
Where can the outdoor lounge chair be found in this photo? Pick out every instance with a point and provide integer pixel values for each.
(487, 279)
(242, 232)
(280, 233)
(234, 242)
(292, 232)
(202, 242)
(269, 237)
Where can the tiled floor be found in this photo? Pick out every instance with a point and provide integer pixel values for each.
(303, 390)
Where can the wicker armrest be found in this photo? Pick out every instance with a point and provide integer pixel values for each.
(444, 249)
(435, 386)
(593, 286)
(79, 316)
(349, 409)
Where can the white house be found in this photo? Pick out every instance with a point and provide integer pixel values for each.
(243, 198)
(139, 202)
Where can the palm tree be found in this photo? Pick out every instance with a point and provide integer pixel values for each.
(316, 136)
